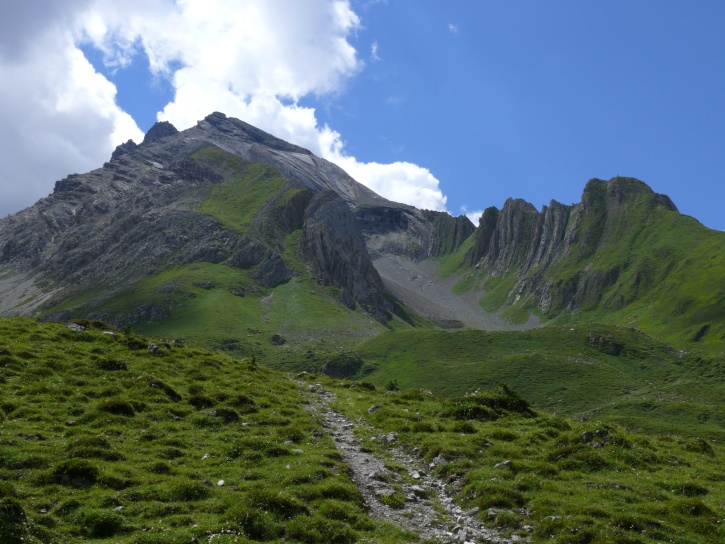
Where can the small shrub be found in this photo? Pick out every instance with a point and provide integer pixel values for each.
(693, 507)
(90, 441)
(67, 507)
(96, 453)
(415, 394)
(117, 407)
(279, 503)
(7, 490)
(488, 405)
(160, 467)
(227, 415)
(187, 491)
(244, 404)
(76, 473)
(394, 500)
(503, 435)
(11, 511)
(100, 523)
(201, 401)
(367, 385)
(256, 523)
(294, 434)
(111, 365)
(464, 427)
(494, 495)
(392, 385)
(422, 427)
(506, 520)
(13, 522)
(313, 530)
(334, 509)
(700, 446)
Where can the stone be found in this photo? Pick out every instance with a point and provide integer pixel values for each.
(419, 491)
(277, 340)
(154, 349)
(344, 365)
(504, 464)
(75, 327)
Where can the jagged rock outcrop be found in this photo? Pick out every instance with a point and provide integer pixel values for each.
(522, 241)
(334, 247)
(160, 130)
(448, 233)
(124, 148)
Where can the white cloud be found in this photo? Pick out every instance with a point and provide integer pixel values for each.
(453, 28)
(374, 52)
(250, 59)
(59, 116)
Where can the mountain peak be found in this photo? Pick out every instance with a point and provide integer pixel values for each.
(621, 189)
(161, 129)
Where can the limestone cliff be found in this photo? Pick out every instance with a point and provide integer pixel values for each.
(548, 251)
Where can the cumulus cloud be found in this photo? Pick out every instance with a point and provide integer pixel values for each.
(59, 116)
(253, 60)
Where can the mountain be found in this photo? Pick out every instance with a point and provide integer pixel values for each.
(201, 227)
(623, 255)
(233, 238)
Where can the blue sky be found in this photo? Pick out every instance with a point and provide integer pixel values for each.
(454, 105)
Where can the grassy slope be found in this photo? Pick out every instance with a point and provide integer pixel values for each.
(671, 283)
(204, 310)
(98, 439)
(648, 386)
(618, 487)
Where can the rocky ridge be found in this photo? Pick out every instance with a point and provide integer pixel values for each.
(522, 241)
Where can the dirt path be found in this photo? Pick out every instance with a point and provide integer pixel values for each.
(428, 511)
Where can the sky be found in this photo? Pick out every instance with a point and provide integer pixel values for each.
(451, 106)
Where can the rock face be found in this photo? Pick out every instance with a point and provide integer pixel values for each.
(333, 244)
(409, 232)
(521, 240)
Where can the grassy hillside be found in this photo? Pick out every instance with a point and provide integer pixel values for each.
(104, 439)
(592, 371)
(670, 278)
(100, 438)
(557, 480)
